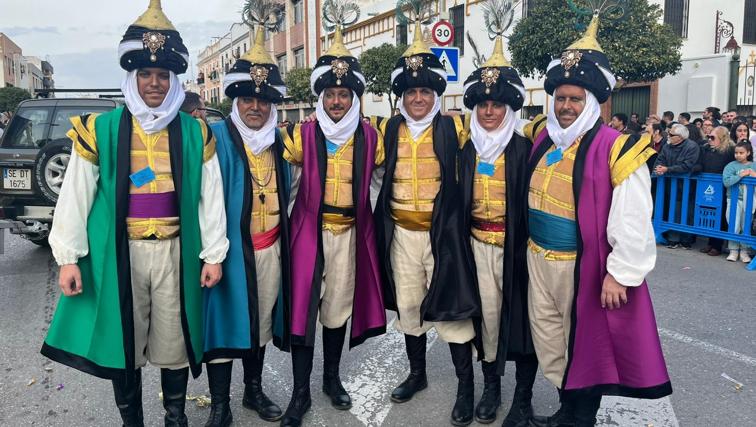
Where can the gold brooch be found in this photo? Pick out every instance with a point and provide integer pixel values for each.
(570, 58)
(489, 76)
(153, 41)
(339, 68)
(414, 63)
(259, 76)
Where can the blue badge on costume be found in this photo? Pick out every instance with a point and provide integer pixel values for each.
(144, 176)
(554, 157)
(486, 168)
(331, 147)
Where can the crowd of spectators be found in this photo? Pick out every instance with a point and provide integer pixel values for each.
(717, 143)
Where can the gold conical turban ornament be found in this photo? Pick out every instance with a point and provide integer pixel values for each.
(589, 41)
(154, 18)
(337, 47)
(418, 45)
(497, 58)
(257, 54)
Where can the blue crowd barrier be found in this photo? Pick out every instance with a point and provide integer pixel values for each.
(710, 204)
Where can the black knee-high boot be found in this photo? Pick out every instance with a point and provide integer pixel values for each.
(417, 380)
(485, 412)
(219, 380)
(129, 400)
(301, 358)
(564, 416)
(333, 343)
(173, 382)
(521, 411)
(461, 354)
(586, 408)
(254, 397)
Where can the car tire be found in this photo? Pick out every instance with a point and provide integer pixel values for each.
(39, 241)
(50, 168)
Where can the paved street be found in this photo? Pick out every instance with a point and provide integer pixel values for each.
(704, 307)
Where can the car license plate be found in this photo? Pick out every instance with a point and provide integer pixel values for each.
(17, 179)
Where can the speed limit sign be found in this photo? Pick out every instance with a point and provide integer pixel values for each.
(443, 33)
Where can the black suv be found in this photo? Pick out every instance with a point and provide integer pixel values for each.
(34, 153)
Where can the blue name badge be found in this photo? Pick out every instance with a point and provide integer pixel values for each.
(486, 169)
(554, 157)
(331, 147)
(144, 176)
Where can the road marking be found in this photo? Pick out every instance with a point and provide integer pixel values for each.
(711, 348)
(379, 374)
(624, 411)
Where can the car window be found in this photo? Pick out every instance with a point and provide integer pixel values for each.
(61, 123)
(28, 127)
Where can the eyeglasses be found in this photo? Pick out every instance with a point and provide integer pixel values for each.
(672, 134)
(711, 137)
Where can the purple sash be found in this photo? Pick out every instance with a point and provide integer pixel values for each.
(156, 205)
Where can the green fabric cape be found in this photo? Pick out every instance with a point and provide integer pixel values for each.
(93, 332)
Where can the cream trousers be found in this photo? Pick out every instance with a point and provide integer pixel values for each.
(412, 262)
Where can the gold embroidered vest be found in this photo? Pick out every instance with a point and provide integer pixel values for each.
(265, 216)
(551, 192)
(338, 188)
(151, 150)
(417, 180)
(489, 204)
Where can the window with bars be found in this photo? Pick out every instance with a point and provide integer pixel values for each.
(527, 7)
(676, 16)
(401, 34)
(457, 15)
(298, 11)
(749, 24)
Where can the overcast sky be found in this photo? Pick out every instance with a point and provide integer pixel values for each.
(80, 37)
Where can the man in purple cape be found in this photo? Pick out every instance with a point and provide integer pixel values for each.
(591, 245)
(333, 243)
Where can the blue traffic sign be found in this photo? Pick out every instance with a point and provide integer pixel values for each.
(449, 57)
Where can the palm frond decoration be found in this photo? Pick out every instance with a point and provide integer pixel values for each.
(478, 58)
(342, 13)
(266, 13)
(498, 16)
(606, 9)
(419, 11)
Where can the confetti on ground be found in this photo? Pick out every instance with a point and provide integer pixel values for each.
(202, 401)
(738, 384)
(48, 368)
(685, 268)
(59, 387)
(31, 382)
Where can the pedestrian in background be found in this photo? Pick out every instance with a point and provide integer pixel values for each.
(743, 166)
(678, 157)
(715, 155)
(740, 132)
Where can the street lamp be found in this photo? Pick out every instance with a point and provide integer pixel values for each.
(732, 46)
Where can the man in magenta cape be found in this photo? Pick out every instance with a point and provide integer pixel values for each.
(591, 246)
(333, 246)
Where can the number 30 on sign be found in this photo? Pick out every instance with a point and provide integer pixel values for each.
(443, 33)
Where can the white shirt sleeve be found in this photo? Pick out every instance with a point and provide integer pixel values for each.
(212, 214)
(68, 237)
(296, 176)
(376, 182)
(630, 230)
